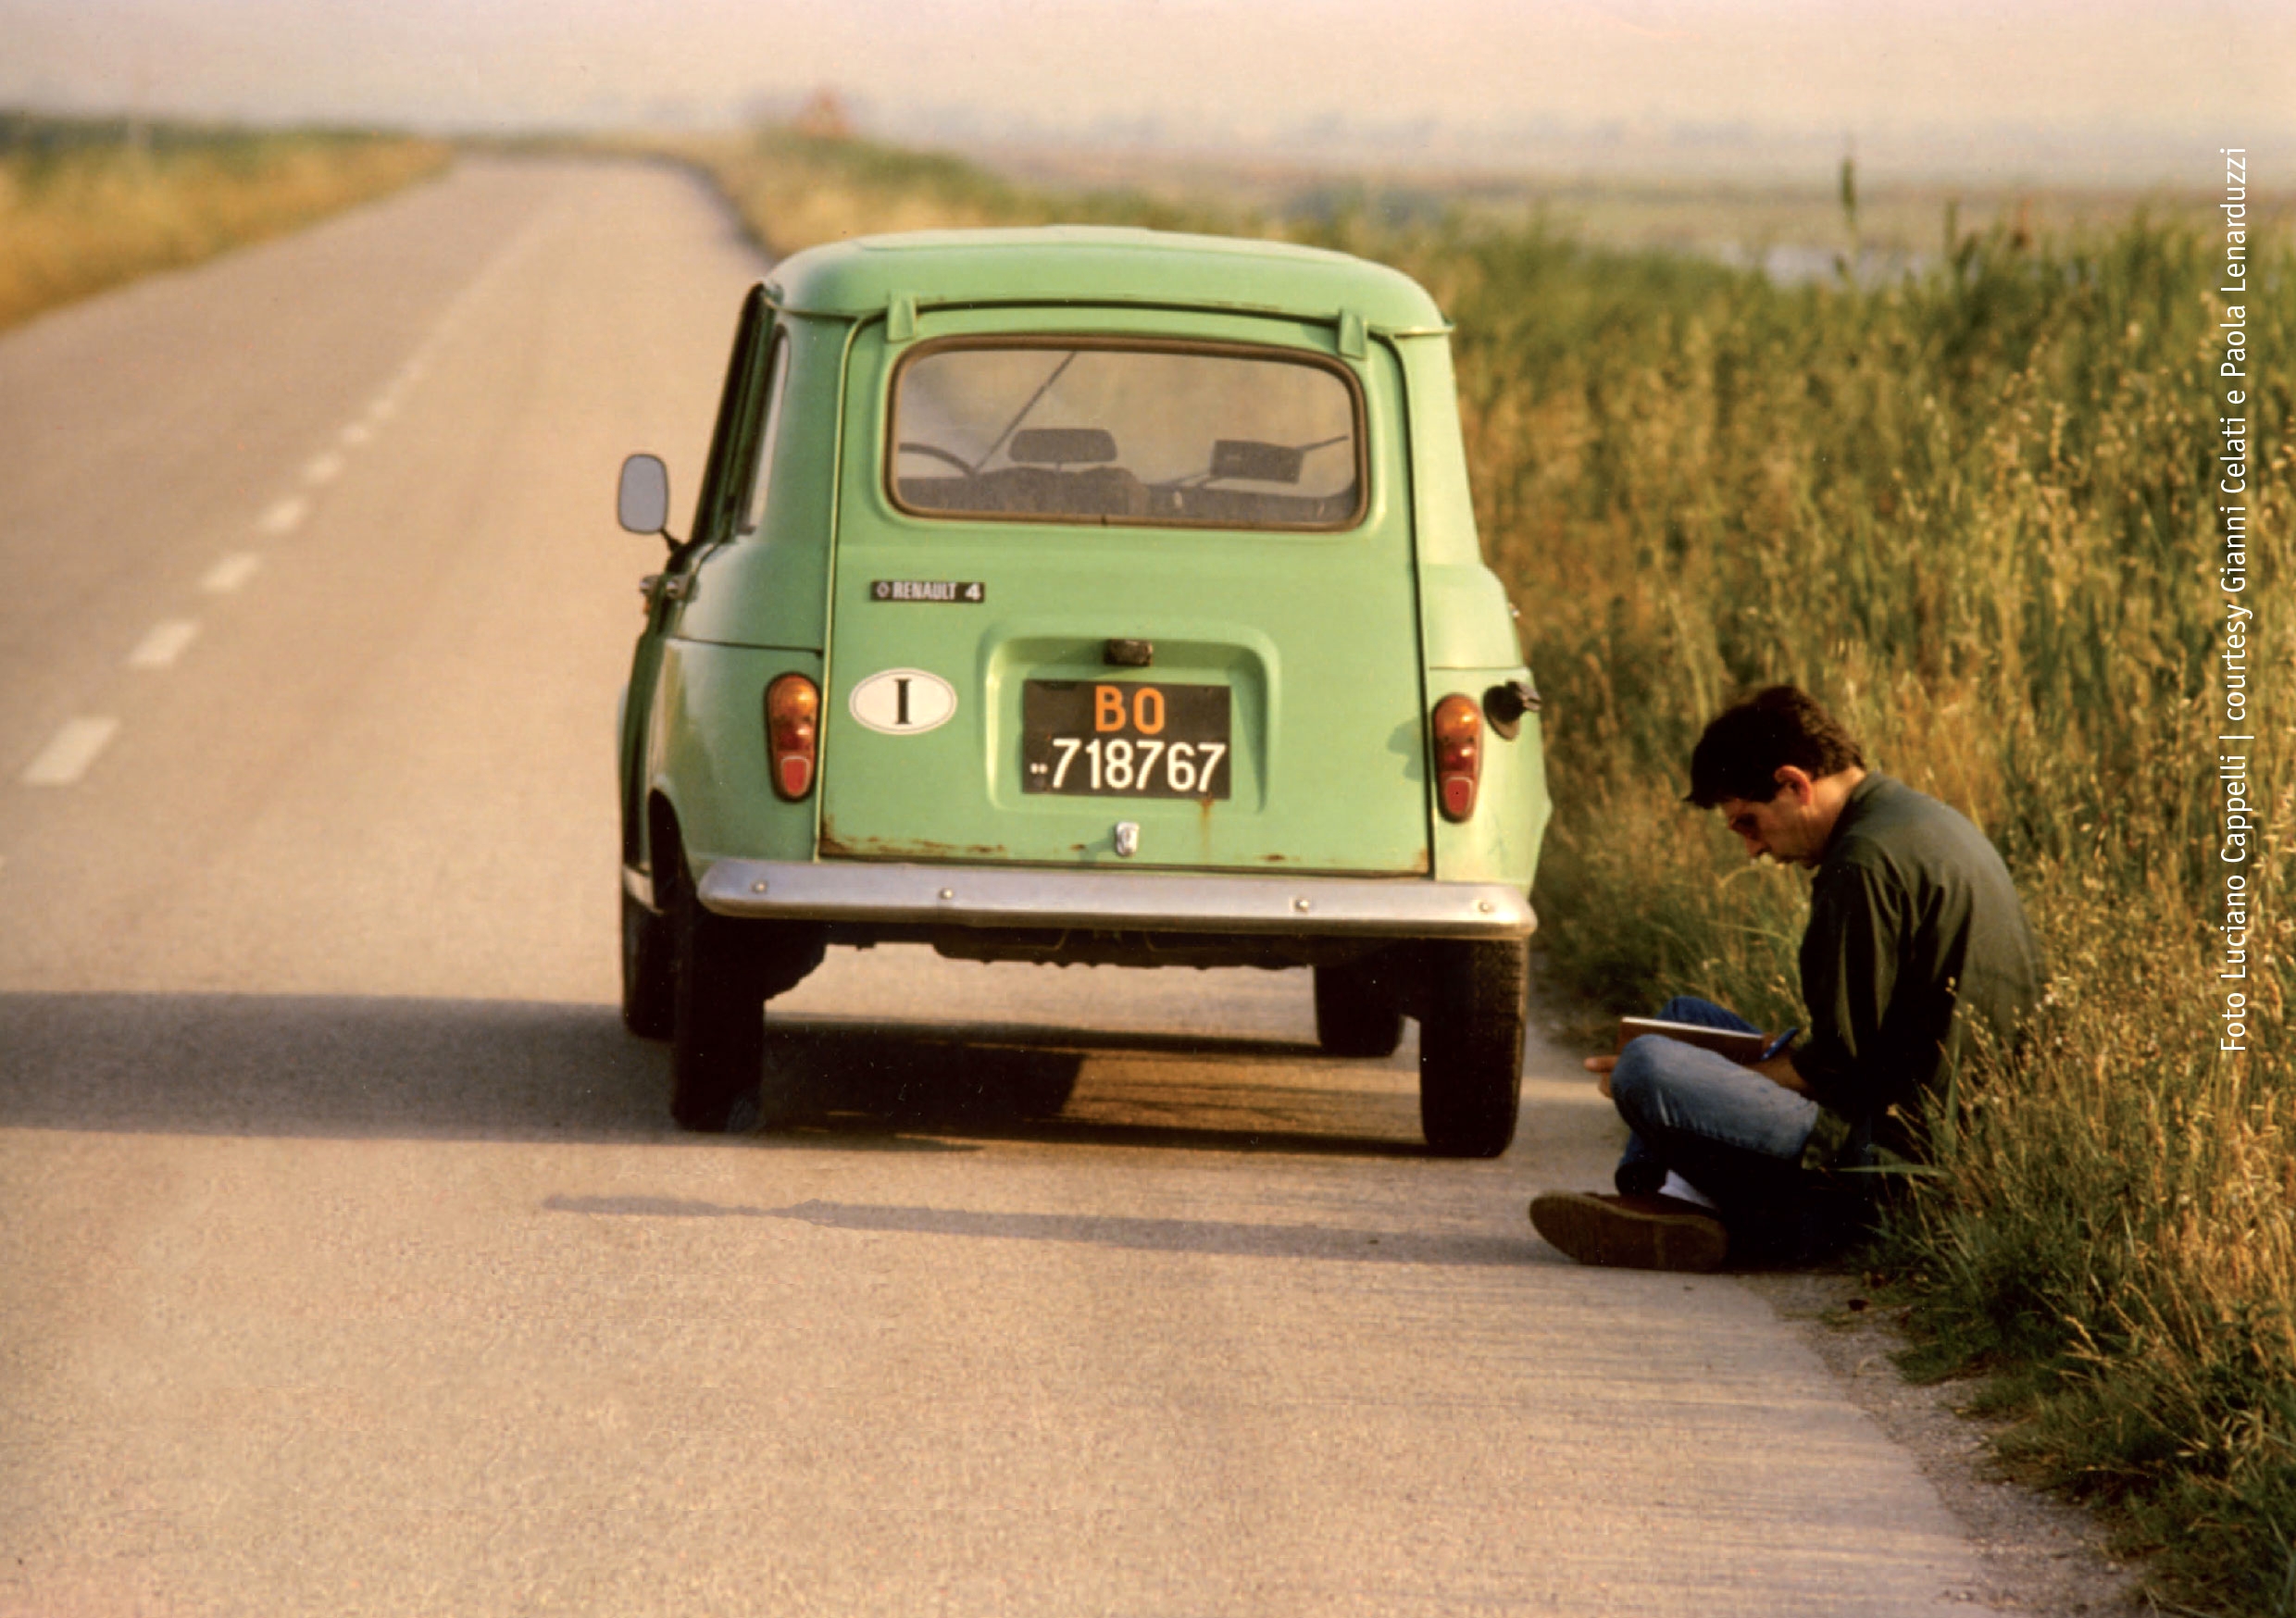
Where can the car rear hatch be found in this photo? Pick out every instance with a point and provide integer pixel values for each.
(1109, 597)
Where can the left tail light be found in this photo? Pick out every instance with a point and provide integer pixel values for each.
(1459, 728)
(792, 733)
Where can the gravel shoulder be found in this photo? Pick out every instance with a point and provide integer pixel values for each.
(2039, 1554)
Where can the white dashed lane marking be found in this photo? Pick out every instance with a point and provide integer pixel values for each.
(231, 573)
(284, 516)
(71, 751)
(163, 643)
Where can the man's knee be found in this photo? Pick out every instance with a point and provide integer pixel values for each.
(1638, 1082)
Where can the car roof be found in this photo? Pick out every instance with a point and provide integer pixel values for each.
(1098, 264)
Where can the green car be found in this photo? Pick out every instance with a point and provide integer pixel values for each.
(1085, 595)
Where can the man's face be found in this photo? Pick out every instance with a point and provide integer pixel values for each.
(1786, 827)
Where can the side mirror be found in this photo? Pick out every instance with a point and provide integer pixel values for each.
(642, 503)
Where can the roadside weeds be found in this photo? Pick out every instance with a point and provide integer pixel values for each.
(2039, 1554)
(89, 205)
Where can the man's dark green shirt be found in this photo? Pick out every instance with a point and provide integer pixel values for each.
(1912, 918)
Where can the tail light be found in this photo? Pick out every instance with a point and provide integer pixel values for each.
(1458, 755)
(792, 733)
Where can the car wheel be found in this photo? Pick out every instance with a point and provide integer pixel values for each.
(649, 971)
(1471, 1046)
(1352, 1018)
(717, 1034)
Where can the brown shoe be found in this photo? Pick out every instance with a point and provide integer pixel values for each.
(1634, 1233)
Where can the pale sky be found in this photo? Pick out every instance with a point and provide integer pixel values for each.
(1438, 76)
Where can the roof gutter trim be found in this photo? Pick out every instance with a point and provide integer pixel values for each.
(777, 300)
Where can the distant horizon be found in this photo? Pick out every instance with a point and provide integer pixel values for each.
(2003, 159)
(2111, 94)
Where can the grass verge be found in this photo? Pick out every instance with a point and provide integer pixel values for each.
(1975, 511)
(85, 204)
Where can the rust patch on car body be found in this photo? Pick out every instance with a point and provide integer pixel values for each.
(832, 846)
(878, 848)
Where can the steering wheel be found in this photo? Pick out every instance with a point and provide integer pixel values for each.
(912, 447)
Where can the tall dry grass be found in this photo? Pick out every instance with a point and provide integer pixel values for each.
(1972, 509)
(85, 205)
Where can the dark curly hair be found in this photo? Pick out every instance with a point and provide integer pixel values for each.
(1742, 750)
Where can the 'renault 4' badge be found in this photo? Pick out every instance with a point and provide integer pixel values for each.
(962, 592)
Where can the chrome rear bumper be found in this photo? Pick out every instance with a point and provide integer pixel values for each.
(975, 896)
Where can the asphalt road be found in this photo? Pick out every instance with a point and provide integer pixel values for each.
(348, 1263)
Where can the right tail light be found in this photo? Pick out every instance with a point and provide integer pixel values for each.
(1458, 726)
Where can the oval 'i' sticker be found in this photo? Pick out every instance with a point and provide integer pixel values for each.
(902, 701)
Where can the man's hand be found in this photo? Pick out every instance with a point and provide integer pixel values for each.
(1600, 1066)
(1779, 1071)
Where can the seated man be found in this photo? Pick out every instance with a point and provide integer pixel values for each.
(1915, 931)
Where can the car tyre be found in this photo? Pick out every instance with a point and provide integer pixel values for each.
(649, 971)
(1353, 1019)
(1471, 1046)
(717, 1036)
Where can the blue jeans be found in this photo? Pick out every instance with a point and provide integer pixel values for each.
(1730, 1132)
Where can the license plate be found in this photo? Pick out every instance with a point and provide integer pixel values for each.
(1124, 739)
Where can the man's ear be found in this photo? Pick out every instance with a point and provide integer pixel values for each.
(1793, 779)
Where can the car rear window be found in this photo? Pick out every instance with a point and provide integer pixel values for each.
(1049, 430)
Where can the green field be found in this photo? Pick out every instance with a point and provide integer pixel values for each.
(87, 203)
(1971, 506)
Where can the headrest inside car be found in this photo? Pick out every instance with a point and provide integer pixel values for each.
(1062, 446)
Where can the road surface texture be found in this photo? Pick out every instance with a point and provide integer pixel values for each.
(349, 1263)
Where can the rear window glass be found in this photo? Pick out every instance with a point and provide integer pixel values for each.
(1106, 433)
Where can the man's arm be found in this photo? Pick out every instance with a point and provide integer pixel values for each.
(1849, 971)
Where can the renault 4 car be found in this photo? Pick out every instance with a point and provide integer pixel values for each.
(1075, 595)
